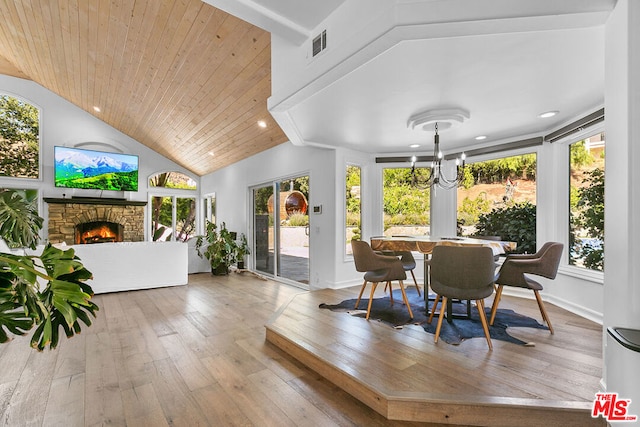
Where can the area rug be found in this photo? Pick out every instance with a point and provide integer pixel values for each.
(460, 329)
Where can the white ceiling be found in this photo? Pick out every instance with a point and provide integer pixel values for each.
(505, 79)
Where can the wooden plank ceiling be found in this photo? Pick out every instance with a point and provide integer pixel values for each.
(185, 79)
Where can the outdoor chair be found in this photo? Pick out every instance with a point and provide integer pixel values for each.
(464, 273)
(378, 268)
(514, 269)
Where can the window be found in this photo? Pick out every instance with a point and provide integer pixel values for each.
(19, 138)
(353, 216)
(498, 198)
(210, 208)
(586, 203)
(176, 180)
(173, 218)
(405, 205)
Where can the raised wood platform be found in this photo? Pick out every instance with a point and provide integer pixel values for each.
(403, 375)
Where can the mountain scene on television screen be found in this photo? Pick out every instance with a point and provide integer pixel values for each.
(77, 170)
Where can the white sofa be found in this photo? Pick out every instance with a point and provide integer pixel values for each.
(127, 266)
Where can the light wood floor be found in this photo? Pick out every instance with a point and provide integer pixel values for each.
(196, 356)
(404, 375)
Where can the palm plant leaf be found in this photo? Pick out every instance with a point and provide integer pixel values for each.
(19, 220)
(49, 290)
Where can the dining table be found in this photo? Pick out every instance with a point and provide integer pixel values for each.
(425, 244)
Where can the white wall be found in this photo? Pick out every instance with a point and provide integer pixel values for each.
(231, 186)
(62, 123)
(622, 202)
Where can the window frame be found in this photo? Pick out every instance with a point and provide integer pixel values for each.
(563, 202)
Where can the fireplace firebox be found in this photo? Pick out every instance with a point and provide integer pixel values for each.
(98, 232)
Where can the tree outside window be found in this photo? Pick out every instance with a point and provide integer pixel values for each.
(19, 138)
(353, 215)
(405, 204)
(586, 201)
(497, 198)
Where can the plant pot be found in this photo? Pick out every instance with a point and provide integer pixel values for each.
(221, 270)
(240, 265)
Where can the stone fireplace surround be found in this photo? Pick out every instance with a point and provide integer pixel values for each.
(65, 214)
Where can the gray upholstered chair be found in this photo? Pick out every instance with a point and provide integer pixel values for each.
(514, 269)
(462, 272)
(378, 268)
(408, 263)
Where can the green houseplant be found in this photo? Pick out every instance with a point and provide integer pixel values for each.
(219, 247)
(242, 251)
(47, 290)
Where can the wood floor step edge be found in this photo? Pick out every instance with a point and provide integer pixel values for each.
(411, 406)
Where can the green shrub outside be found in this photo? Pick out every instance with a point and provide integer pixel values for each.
(471, 210)
(516, 223)
(298, 220)
(406, 219)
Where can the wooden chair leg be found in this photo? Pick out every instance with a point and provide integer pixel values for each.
(406, 300)
(494, 306)
(433, 308)
(444, 304)
(390, 291)
(373, 289)
(416, 282)
(483, 319)
(545, 317)
(364, 285)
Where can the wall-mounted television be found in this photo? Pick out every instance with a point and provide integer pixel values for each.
(97, 170)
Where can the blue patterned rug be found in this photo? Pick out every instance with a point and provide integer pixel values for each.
(460, 329)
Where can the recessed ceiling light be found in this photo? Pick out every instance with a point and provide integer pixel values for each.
(548, 114)
(96, 109)
(262, 123)
(211, 153)
(481, 137)
(414, 146)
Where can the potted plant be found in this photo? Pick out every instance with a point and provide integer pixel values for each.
(219, 247)
(242, 251)
(47, 290)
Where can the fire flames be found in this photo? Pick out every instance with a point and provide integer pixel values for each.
(99, 234)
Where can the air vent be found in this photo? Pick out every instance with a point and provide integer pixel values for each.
(319, 43)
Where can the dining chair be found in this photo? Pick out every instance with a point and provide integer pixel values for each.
(409, 264)
(513, 272)
(465, 273)
(407, 259)
(378, 268)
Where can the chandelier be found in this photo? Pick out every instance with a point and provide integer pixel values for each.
(438, 175)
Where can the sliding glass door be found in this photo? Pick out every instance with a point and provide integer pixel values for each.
(281, 229)
(263, 234)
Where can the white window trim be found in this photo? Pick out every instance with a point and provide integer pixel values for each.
(563, 227)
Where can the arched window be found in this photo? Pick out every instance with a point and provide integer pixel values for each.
(176, 180)
(19, 138)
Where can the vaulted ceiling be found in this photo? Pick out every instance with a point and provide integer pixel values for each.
(182, 77)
